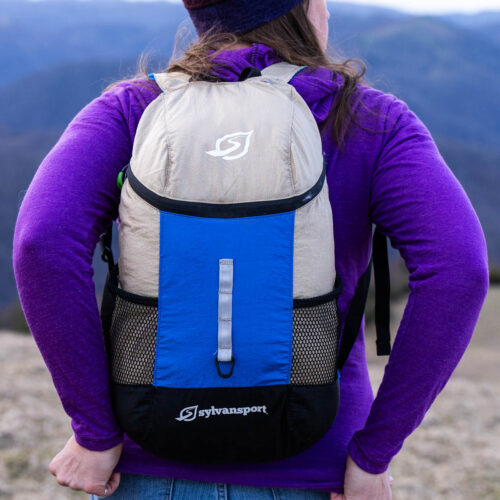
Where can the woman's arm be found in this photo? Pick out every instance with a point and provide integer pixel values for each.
(420, 205)
(71, 200)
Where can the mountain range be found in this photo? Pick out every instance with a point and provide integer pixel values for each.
(56, 56)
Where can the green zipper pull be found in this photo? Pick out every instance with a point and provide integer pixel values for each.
(120, 180)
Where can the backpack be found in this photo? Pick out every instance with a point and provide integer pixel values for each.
(221, 319)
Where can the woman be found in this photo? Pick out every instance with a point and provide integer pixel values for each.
(382, 168)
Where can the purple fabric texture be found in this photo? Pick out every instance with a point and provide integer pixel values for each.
(236, 16)
(389, 173)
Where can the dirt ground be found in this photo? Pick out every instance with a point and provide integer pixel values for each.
(454, 454)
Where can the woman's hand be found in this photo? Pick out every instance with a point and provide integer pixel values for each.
(90, 471)
(361, 485)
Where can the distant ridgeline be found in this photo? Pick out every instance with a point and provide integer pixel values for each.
(66, 52)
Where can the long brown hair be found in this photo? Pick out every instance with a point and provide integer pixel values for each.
(293, 38)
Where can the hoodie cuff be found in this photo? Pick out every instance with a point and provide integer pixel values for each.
(93, 444)
(363, 460)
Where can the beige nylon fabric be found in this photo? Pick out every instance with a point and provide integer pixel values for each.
(227, 143)
(282, 71)
(139, 243)
(313, 254)
(257, 122)
(150, 152)
(171, 81)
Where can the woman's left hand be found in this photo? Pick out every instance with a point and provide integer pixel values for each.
(83, 469)
(361, 485)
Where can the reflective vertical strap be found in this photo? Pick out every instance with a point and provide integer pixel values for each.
(225, 344)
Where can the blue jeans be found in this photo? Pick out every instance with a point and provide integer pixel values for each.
(137, 487)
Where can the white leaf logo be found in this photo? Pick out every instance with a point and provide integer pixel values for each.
(188, 414)
(227, 147)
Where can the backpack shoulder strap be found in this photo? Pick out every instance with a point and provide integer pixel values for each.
(379, 261)
(170, 81)
(283, 71)
(382, 293)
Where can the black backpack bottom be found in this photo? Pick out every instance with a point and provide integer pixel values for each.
(226, 425)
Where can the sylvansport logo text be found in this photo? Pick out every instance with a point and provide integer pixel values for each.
(190, 413)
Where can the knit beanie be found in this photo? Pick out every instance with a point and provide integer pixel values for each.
(236, 16)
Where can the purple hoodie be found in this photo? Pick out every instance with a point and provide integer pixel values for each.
(389, 173)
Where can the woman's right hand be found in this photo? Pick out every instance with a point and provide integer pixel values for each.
(86, 470)
(361, 485)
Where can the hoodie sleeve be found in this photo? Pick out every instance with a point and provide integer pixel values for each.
(419, 204)
(70, 202)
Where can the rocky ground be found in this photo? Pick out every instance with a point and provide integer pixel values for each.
(454, 454)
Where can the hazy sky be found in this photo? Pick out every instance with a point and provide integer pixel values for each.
(426, 6)
(435, 6)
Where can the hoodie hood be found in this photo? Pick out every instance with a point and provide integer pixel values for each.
(317, 87)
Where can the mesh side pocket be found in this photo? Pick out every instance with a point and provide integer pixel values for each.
(316, 329)
(132, 340)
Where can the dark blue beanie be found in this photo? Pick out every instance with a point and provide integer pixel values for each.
(236, 16)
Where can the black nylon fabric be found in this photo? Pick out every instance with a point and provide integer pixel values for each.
(225, 210)
(379, 261)
(382, 294)
(107, 308)
(173, 423)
